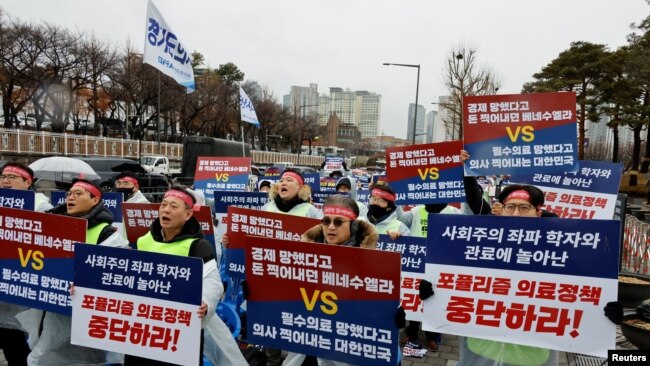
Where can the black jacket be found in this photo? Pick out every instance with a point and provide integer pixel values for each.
(97, 215)
(200, 248)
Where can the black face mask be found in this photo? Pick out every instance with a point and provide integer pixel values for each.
(127, 192)
(377, 212)
(435, 207)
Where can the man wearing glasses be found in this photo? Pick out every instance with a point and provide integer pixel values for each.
(12, 338)
(51, 339)
(20, 176)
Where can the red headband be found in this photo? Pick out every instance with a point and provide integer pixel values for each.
(181, 196)
(518, 194)
(383, 194)
(129, 179)
(295, 176)
(19, 171)
(90, 188)
(339, 211)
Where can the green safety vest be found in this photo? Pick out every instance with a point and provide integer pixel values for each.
(420, 223)
(92, 234)
(148, 244)
(512, 354)
(393, 226)
(299, 210)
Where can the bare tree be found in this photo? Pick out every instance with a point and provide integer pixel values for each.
(464, 77)
(22, 46)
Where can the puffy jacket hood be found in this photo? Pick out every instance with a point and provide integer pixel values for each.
(349, 181)
(304, 193)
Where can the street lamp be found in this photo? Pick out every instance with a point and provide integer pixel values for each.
(417, 90)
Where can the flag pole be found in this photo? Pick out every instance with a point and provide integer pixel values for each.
(158, 114)
(243, 150)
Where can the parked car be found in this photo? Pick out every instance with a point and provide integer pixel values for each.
(109, 168)
(305, 169)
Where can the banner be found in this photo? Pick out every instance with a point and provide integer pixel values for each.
(429, 173)
(138, 303)
(328, 301)
(413, 252)
(589, 193)
(36, 251)
(328, 184)
(531, 281)
(164, 51)
(223, 200)
(520, 133)
(333, 163)
(221, 174)
(246, 108)
(138, 218)
(18, 198)
(244, 222)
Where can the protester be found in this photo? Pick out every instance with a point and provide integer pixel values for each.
(128, 184)
(264, 185)
(418, 221)
(348, 185)
(382, 212)
(13, 341)
(19, 176)
(340, 225)
(177, 232)
(49, 333)
(291, 196)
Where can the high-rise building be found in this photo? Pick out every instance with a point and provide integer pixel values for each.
(302, 100)
(430, 123)
(419, 127)
(360, 108)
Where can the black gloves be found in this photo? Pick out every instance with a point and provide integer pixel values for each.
(400, 318)
(244, 289)
(614, 312)
(426, 289)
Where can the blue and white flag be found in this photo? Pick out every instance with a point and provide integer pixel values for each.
(164, 51)
(247, 110)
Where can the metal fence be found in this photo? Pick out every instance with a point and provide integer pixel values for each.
(47, 143)
(33, 143)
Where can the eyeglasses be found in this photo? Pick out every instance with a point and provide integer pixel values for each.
(337, 221)
(9, 177)
(377, 200)
(75, 193)
(523, 207)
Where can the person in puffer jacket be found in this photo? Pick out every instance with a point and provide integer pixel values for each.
(49, 333)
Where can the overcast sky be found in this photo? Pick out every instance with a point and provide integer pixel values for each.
(343, 43)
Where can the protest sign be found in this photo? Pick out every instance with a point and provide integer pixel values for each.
(413, 251)
(328, 301)
(244, 222)
(333, 163)
(589, 193)
(36, 251)
(429, 173)
(530, 281)
(221, 174)
(22, 199)
(520, 133)
(138, 303)
(138, 218)
(328, 184)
